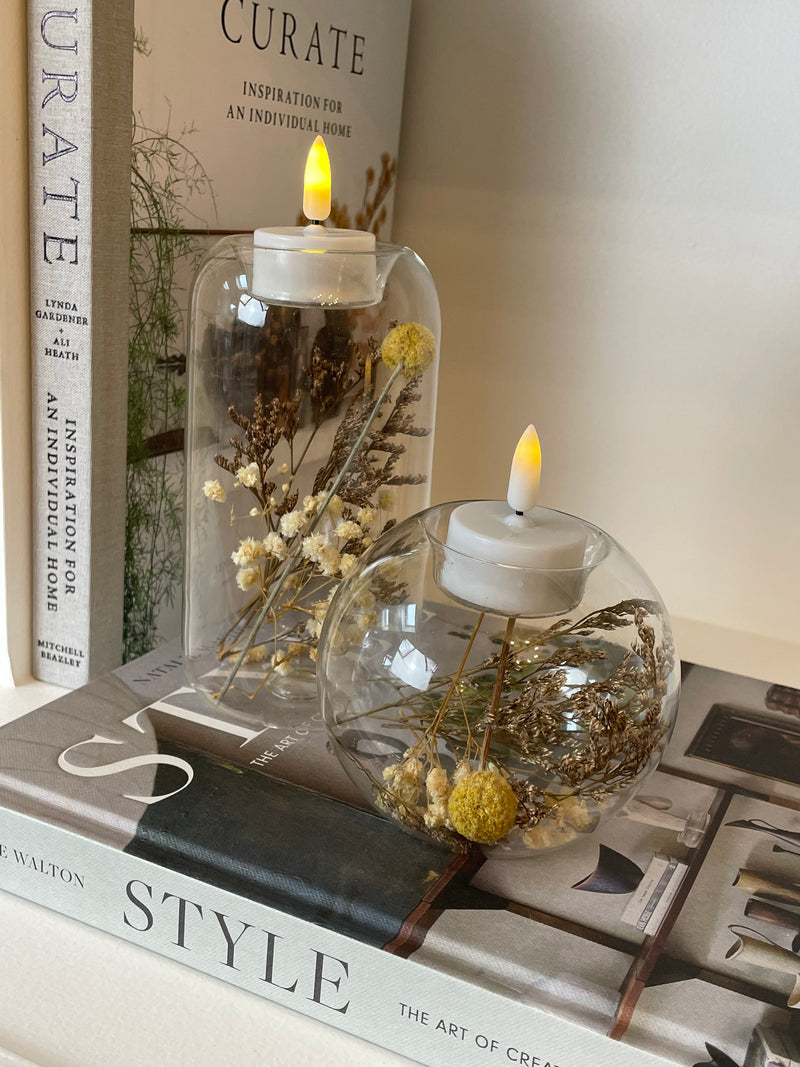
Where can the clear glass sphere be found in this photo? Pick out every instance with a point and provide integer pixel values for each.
(291, 400)
(483, 703)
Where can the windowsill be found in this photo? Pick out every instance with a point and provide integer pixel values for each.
(753, 655)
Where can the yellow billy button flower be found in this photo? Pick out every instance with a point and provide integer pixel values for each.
(410, 346)
(483, 807)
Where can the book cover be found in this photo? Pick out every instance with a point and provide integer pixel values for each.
(228, 98)
(256, 84)
(137, 808)
(79, 143)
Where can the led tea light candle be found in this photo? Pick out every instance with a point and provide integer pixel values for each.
(512, 557)
(312, 265)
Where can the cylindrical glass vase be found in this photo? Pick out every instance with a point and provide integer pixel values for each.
(515, 732)
(309, 433)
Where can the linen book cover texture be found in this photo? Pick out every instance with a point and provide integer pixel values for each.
(80, 71)
(668, 936)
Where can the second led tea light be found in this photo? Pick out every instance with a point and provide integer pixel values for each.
(512, 557)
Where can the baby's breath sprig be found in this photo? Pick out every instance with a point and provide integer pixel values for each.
(294, 563)
(278, 582)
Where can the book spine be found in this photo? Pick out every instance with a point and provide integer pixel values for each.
(429, 1016)
(80, 72)
(15, 472)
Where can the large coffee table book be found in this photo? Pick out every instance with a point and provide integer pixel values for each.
(666, 937)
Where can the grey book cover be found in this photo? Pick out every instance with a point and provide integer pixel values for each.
(80, 86)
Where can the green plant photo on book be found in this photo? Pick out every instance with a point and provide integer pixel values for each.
(165, 176)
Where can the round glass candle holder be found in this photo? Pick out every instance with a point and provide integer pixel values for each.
(310, 408)
(515, 732)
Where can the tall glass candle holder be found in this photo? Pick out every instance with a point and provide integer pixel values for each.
(483, 703)
(311, 398)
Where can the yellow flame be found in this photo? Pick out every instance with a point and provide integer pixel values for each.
(317, 183)
(528, 455)
(526, 470)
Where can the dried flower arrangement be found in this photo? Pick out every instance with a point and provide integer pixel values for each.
(538, 735)
(301, 548)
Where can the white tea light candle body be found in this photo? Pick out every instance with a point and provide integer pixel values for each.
(527, 565)
(306, 266)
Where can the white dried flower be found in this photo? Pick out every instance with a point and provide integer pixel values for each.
(328, 560)
(214, 491)
(313, 546)
(249, 475)
(283, 469)
(366, 515)
(335, 506)
(248, 551)
(254, 512)
(274, 545)
(439, 790)
(348, 530)
(437, 783)
(346, 563)
(358, 630)
(405, 779)
(248, 576)
(321, 609)
(292, 523)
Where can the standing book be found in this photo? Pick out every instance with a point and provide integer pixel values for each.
(80, 77)
(135, 807)
(220, 142)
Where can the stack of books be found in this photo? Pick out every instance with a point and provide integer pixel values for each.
(134, 806)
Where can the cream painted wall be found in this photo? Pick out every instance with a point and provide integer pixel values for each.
(608, 195)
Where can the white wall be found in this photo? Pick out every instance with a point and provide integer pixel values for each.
(608, 195)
